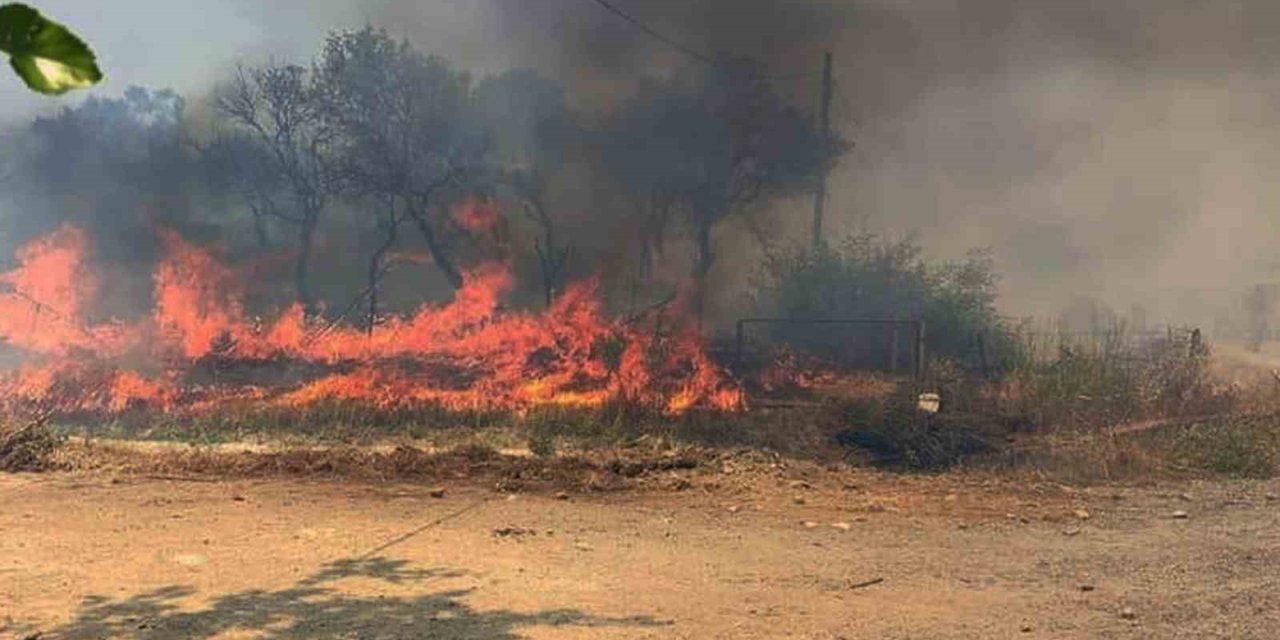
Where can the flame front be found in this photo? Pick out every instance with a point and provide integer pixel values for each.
(469, 354)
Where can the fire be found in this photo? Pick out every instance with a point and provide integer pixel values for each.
(194, 299)
(43, 297)
(468, 354)
(129, 389)
(476, 215)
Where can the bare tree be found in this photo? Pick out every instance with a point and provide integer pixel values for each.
(277, 107)
(533, 133)
(712, 150)
(553, 255)
(405, 138)
(389, 224)
(236, 163)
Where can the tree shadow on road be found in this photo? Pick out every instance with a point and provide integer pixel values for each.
(315, 607)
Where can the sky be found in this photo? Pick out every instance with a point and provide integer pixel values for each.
(1122, 149)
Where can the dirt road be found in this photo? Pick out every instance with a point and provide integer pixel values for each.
(92, 556)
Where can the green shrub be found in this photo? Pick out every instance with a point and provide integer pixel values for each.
(869, 277)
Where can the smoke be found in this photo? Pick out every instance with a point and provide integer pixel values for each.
(1114, 149)
(1117, 150)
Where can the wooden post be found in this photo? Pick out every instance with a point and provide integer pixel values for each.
(820, 198)
(920, 355)
(738, 343)
(893, 348)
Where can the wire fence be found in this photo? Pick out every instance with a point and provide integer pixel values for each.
(1117, 343)
(889, 345)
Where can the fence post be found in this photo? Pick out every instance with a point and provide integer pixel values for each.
(738, 339)
(893, 347)
(920, 355)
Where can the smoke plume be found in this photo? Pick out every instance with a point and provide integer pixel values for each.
(1118, 150)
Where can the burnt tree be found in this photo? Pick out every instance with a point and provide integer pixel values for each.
(279, 109)
(534, 135)
(712, 149)
(407, 143)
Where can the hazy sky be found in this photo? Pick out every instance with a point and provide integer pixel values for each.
(182, 44)
(1123, 148)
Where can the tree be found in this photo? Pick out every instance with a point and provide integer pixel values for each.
(234, 162)
(280, 110)
(117, 168)
(46, 55)
(408, 141)
(533, 132)
(126, 155)
(712, 150)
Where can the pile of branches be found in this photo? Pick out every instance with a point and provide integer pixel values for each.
(29, 448)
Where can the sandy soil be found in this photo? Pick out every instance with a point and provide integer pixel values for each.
(97, 556)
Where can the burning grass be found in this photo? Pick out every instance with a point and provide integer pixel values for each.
(566, 383)
(199, 347)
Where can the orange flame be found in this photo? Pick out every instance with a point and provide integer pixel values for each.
(194, 297)
(468, 354)
(46, 294)
(476, 215)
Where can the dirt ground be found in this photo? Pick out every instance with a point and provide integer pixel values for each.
(848, 554)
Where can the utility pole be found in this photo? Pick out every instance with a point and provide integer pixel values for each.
(820, 198)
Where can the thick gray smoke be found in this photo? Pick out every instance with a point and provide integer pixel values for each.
(1118, 150)
(1115, 149)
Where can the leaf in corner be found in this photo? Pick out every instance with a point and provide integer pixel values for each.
(47, 56)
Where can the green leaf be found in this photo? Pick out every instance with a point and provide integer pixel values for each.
(47, 56)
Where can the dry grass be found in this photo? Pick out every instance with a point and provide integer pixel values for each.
(1055, 418)
(1234, 445)
(28, 447)
(345, 422)
(1065, 382)
(603, 470)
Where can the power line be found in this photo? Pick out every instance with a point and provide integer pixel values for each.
(794, 76)
(689, 51)
(700, 57)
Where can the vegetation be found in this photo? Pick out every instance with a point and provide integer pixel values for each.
(324, 163)
(872, 278)
(28, 447)
(1111, 379)
(704, 152)
(338, 156)
(405, 137)
(1242, 446)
